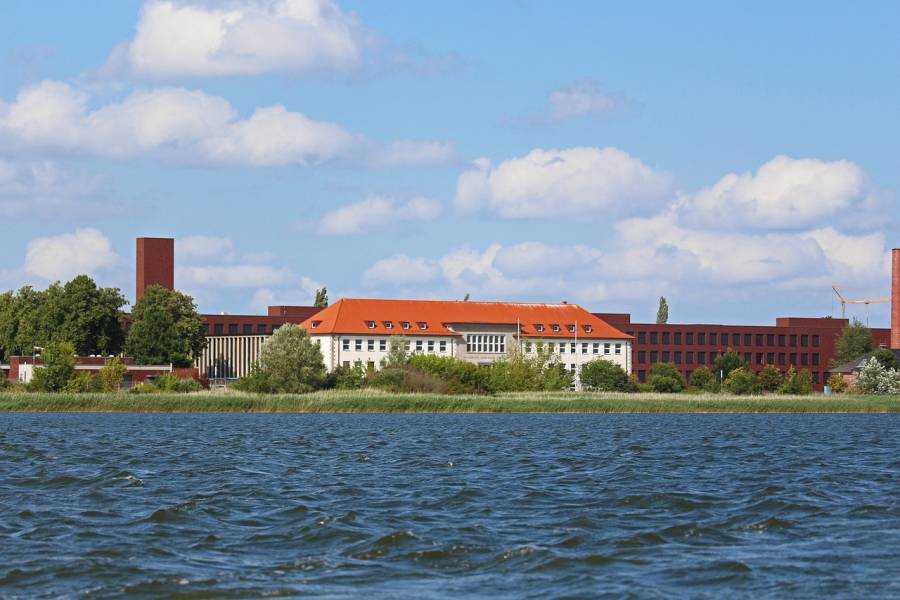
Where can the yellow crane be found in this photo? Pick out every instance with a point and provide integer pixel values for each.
(845, 302)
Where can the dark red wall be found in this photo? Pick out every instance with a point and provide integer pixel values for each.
(154, 265)
(258, 325)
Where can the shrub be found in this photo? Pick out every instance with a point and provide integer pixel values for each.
(350, 378)
(167, 383)
(419, 382)
(606, 376)
(837, 384)
(112, 374)
(740, 381)
(875, 379)
(798, 384)
(666, 378)
(289, 363)
(519, 373)
(770, 379)
(703, 379)
(82, 383)
(886, 357)
(727, 362)
(58, 369)
(460, 376)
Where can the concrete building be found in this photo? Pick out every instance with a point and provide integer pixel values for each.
(352, 330)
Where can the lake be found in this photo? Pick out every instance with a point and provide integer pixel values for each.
(433, 506)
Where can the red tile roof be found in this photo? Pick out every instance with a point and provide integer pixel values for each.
(352, 316)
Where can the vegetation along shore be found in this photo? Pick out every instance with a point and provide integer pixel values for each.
(370, 401)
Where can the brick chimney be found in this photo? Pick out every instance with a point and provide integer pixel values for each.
(155, 264)
(895, 299)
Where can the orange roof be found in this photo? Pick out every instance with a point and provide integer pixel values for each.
(371, 317)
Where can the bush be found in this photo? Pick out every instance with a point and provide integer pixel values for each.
(167, 383)
(875, 379)
(703, 379)
(606, 376)
(350, 378)
(798, 384)
(461, 376)
(112, 374)
(58, 369)
(289, 363)
(886, 357)
(740, 381)
(770, 379)
(727, 362)
(666, 378)
(837, 384)
(82, 383)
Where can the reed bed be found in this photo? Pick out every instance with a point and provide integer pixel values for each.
(373, 401)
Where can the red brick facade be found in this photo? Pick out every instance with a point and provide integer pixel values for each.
(895, 299)
(155, 264)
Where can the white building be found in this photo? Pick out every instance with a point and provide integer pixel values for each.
(354, 330)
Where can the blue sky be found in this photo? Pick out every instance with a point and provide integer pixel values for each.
(737, 158)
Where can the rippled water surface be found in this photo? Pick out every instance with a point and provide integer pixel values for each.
(449, 505)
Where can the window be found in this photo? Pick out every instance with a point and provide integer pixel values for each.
(666, 357)
(770, 339)
(596, 348)
(618, 348)
(562, 347)
(218, 329)
(404, 324)
(370, 345)
(382, 345)
(443, 346)
(423, 325)
(689, 358)
(248, 329)
(315, 324)
(554, 327)
(794, 358)
(713, 356)
(345, 345)
(388, 325)
(419, 345)
(735, 339)
(642, 356)
(642, 376)
(815, 378)
(261, 329)
(431, 345)
(357, 345)
(665, 337)
(406, 346)
(770, 358)
(759, 339)
(654, 356)
(677, 357)
(804, 341)
(606, 348)
(571, 328)
(550, 347)
(701, 358)
(654, 337)
(642, 337)
(815, 359)
(713, 339)
(701, 339)
(275, 328)
(369, 324)
(689, 339)
(527, 347)
(804, 359)
(759, 358)
(232, 329)
(748, 339)
(815, 341)
(479, 344)
(206, 328)
(782, 359)
(747, 358)
(584, 348)
(572, 348)
(588, 328)
(781, 340)
(678, 338)
(793, 340)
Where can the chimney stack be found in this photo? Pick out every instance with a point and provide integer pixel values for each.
(895, 299)
(155, 264)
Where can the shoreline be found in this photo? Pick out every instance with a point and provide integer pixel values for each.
(376, 402)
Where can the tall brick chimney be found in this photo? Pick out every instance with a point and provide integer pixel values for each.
(895, 299)
(155, 264)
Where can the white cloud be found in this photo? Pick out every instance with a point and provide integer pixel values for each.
(300, 293)
(400, 269)
(412, 153)
(377, 211)
(562, 183)
(64, 256)
(784, 193)
(180, 126)
(237, 276)
(47, 190)
(582, 99)
(241, 37)
(204, 247)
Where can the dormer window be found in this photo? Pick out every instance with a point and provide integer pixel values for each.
(555, 327)
(370, 324)
(314, 324)
(388, 325)
(404, 324)
(588, 328)
(423, 325)
(539, 327)
(571, 329)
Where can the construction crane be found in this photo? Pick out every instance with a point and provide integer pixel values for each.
(845, 302)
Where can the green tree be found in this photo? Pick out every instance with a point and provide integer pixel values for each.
(321, 298)
(799, 384)
(605, 376)
(58, 369)
(726, 363)
(703, 379)
(82, 383)
(886, 357)
(91, 317)
(111, 375)
(854, 342)
(666, 378)
(662, 313)
(770, 379)
(165, 329)
(290, 362)
(740, 381)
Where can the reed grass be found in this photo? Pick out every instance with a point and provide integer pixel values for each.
(373, 401)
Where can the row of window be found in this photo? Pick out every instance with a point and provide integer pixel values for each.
(586, 347)
(761, 358)
(642, 376)
(485, 344)
(370, 344)
(737, 339)
(245, 329)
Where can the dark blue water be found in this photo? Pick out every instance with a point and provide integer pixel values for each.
(506, 506)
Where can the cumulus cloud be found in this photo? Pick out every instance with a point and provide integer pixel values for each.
(301, 292)
(64, 256)
(400, 269)
(560, 183)
(377, 211)
(177, 39)
(180, 126)
(784, 193)
(204, 247)
(47, 190)
(232, 276)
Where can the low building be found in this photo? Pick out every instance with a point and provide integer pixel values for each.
(356, 330)
(21, 369)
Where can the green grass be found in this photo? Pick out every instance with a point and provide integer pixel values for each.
(370, 401)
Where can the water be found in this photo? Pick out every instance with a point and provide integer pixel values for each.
(429, 506)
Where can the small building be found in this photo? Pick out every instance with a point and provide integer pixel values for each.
(358, 330)
(850, 371)
(21, 369)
